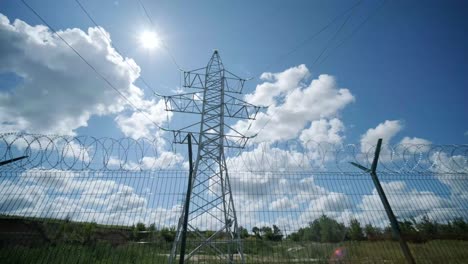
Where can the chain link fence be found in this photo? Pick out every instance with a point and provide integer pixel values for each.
(86, 200)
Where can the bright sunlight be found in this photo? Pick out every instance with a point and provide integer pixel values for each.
(149, 40)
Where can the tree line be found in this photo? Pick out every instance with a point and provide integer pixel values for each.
(322, 229)
(326, 229)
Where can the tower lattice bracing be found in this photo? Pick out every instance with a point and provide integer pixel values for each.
(212, 226)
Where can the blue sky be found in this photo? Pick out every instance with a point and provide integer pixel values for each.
(407, 63)
(396, 71)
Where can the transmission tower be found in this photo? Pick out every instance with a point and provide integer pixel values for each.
(211, 223)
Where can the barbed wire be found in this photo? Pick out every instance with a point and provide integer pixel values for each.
(85, 152)
(53, 200)
(91, 153)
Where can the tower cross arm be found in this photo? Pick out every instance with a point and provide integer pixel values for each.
(193, 103)
(196, 80)
(237, 108)
(233, 83)
(186, 103)
(232, 140)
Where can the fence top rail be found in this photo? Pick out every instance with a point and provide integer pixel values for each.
(83, 153)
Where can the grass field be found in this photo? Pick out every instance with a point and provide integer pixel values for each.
(53, 241)
(437, 251)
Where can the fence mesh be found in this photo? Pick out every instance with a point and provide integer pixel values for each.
(112, 207)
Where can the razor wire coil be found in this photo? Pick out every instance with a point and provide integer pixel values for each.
(92, 153)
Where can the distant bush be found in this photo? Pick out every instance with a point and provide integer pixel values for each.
(267, 233)
(323, 229)
(326, 229)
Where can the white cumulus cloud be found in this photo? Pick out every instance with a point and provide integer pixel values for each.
(292, 103)
(415, 141)
(323, 130)
(57, 92)
(386, 131)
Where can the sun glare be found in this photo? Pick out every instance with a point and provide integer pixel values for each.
(149, 40)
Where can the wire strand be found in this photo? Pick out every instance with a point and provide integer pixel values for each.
(90, 65)
(312, 36)
(356, 29)
(162, 40)
(113, 46)
(351, 9)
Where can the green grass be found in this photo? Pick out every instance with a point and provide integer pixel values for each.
(28, 240)
(256, 251)
(99, 254)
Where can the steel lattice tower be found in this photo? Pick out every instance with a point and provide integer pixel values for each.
(212, 227)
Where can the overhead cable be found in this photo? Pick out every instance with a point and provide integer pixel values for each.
(350, 11)
(162, 40)
(90, 65)
(114, 47)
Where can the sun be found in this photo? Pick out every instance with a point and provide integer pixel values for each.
(149, 40)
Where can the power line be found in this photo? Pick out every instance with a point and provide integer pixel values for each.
(330, 40)
(313, 36)
(356, 29)
(90, 65)
(304, 42)
(131, 66)
(113, 46)
(162, 41)
(326, 47)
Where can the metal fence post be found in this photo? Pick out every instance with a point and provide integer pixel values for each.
(187, 201)
(383, 198)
